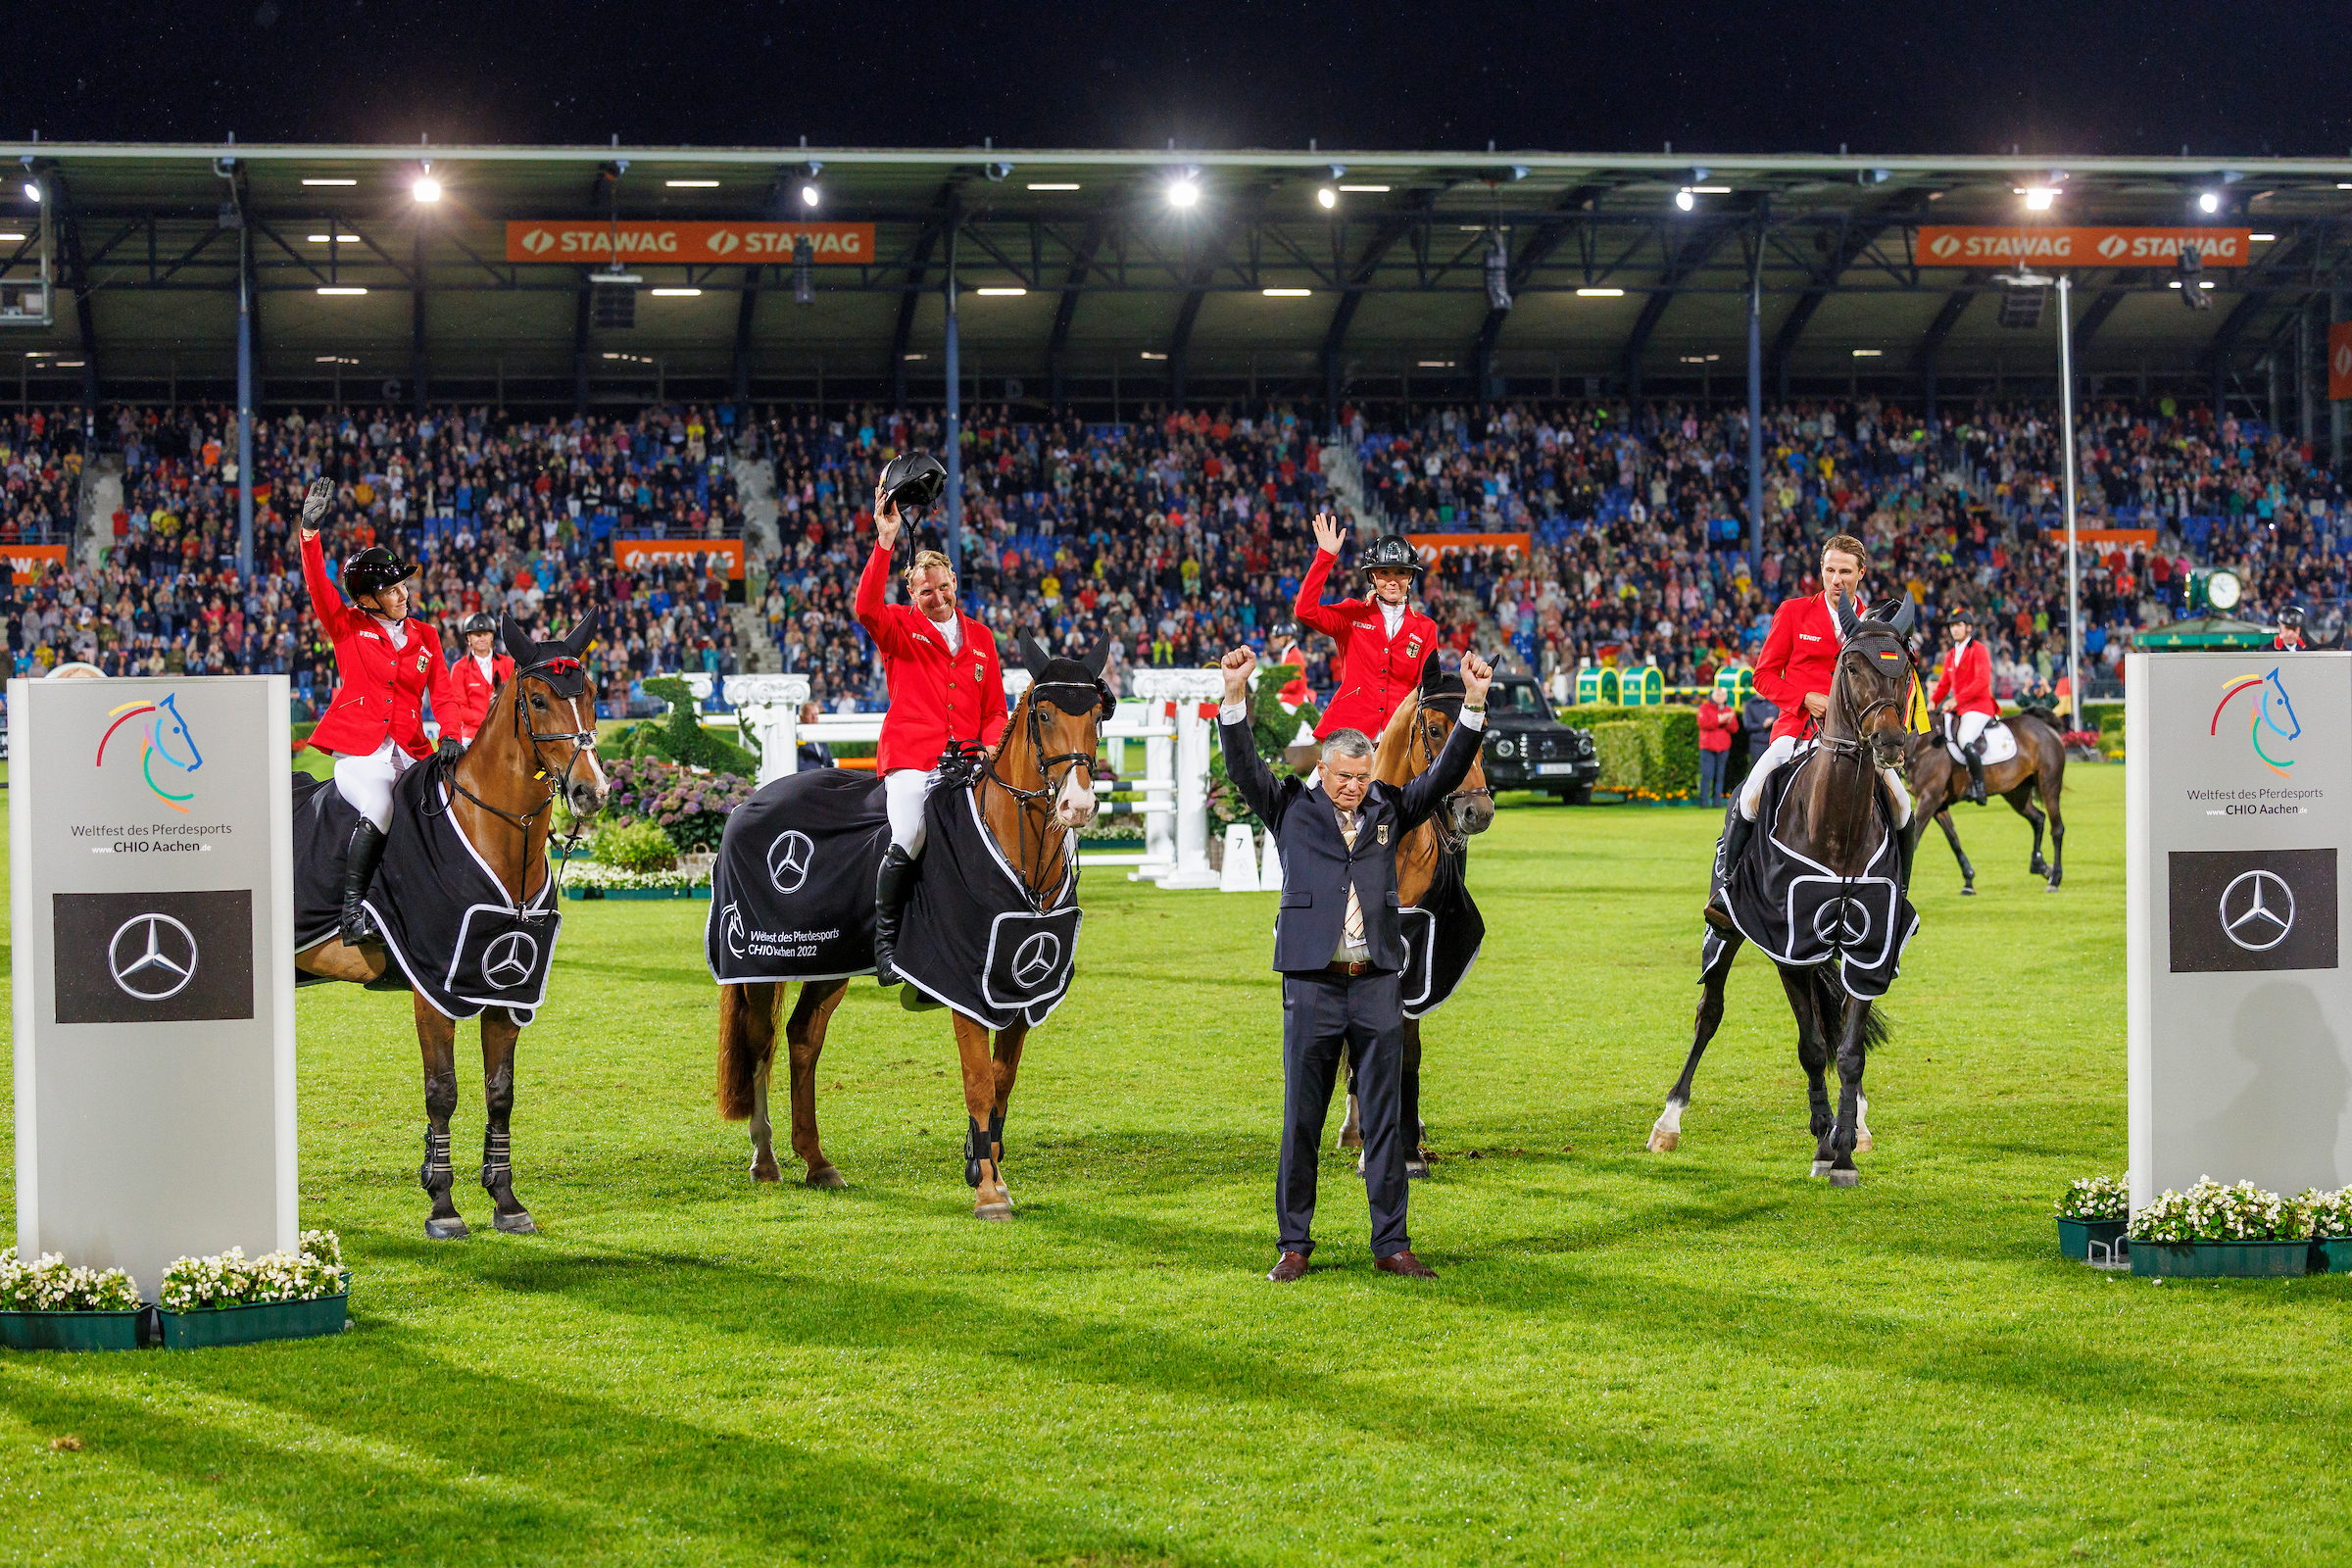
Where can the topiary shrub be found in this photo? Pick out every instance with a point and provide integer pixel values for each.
(1623, 757)
(636, 846)
(1669, 767)
(680, 737)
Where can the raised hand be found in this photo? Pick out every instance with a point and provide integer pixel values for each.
(1477, 676)
(1236, 667)
(321, 496)
(886, 519)
(1327, 533)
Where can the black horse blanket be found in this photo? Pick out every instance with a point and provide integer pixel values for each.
(1803, 914)
(451, 929)
(791, 897)
(1441, 934)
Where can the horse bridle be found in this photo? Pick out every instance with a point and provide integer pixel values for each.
(582, 742)
(1454, 842)
(1863, 748)
(1027, 798)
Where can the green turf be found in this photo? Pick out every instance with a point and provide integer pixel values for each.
(1697, 1357)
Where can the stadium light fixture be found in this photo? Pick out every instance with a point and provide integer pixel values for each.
(1684, 200)
(2259, 238)
(810, 194)
(1002, 292)
(337, 239)
(676, 293)
(1434, 365)
(1868, 354)
(691, 185)
(1287, 293)
(915, 356)
(341, 289)
(426, 188)
(1366, 190)
(2209, 201)
(1149, 354)
(1184, 191)
(330, 182)
(33, 191)
(1711, 190)
(1599, 293)
(336, 359)
(1327, 198)
(997, 173)
(11, 238)
(2040, 198)
(1053, 184)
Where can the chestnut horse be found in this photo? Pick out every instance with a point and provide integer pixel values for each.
(1938, 784)
(535, 741)
(1034, 798)
(1410, 743)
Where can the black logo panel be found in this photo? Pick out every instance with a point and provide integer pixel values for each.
(2238, 909)
(153, 958)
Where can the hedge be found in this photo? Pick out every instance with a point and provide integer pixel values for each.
(1622, 759)
(1665, 766)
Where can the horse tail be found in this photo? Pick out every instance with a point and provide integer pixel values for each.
(1829, 1003)
(738, 1059)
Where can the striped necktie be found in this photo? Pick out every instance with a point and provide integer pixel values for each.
(1352, 932)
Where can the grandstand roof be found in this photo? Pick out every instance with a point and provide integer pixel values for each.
(1120, 283)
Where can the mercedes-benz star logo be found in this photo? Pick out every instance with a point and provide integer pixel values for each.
(509, 959)
(787, 860)
(1842, 922)
(2258, 910)
(152, 956)
(1034, 959)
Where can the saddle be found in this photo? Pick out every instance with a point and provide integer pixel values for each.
(2000, 742)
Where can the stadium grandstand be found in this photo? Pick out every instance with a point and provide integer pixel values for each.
(1618, 400)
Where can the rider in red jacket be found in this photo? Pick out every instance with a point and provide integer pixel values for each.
(2291, 630)
(1964, 688)
(475, 678)
(946, 688)
(387, 665)
(1382, 640)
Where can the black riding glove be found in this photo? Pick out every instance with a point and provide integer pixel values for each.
(452, 747)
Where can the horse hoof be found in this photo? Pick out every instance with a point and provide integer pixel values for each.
(517, 1224)
(446, 1229)
(1846, 1178)
(997, 1211)
(826, 1176)
(1663, 1141)
(1968, 893)
(766, 1171)
(1862, 1143)
(2052, 888)
(1821, 1168)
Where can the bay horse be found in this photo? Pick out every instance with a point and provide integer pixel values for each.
(1034, 817)
(1409, 745)
(1938, 784)
(537, 741)
(1839, 811)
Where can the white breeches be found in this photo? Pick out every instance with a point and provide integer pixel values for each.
(366, 781)
(902, 791)
(1970, 726)
(1751, 792)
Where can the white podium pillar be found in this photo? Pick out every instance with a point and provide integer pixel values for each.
(1188, 689)
(771, 710)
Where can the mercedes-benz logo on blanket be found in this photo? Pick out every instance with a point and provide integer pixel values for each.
(787, 860)
(152, 956)
(1033, 961)
(734, 932)
(1842, 922)
(507, 960)
(2258, 910)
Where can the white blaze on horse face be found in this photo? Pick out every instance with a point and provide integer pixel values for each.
(1074, 805)
(589, 773)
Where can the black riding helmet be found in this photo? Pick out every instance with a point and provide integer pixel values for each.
(373, 569)
(478, 624)
(914, 481)
(1390, 551)
(2291, 616)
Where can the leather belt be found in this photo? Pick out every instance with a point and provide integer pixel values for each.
(1351, 967)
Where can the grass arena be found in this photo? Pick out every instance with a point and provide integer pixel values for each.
(1701, 1356)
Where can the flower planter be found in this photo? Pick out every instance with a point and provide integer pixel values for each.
(256, 1321)
(638, 893)
(2331, 1254)
(2075, 1236)
(71, 1330)
(2235, 1260)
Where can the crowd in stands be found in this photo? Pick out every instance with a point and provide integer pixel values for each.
(1173, 535)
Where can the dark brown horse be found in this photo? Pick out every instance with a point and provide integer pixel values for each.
(1839, 811)
(1410, 742)
(1035, 796)
(535, 741)
(1938, 784)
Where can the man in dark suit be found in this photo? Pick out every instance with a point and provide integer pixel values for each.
(1336, 944)
(811, 753)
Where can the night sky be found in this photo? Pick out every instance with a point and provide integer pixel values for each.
(2226, 79)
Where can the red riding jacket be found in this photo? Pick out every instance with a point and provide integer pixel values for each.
(935, 697)
(1800, 656)
(1967, 675)
(1377, 671)
(382, 688)
(469, 701)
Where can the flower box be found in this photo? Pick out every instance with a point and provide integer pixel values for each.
(703, 892)
(2231, 1260)
(71, 1330)
(257, 1322)
(2075, 1236)
(2331, 1254)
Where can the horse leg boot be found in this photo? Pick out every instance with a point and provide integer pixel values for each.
(892, 885)
(984, 1143)
(1852, 1042)
(437, 1037)
(1667, 1134)
(500, 1033)
(1815, 998)
(359, 871)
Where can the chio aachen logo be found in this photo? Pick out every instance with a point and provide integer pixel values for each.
(507, 960)
(2258, 910)
(152, 956)
(1033, 961)
(787, 860)
(2274, 715)
(734, 930)
(169, 738)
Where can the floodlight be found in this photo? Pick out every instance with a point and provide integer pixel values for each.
(691, 185)
(1327, 198)
(1287, 293)
(997, 173)
(676, 293)
(1184, 191)
(1601, 293)
(810, 195)
(1684, 200)
(426, 188)
(32, 190)
(1001, 293)
(336, 290)
(2209, 201)
(2040, 198)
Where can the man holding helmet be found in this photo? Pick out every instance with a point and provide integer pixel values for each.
(475, 678)
(1382, 640)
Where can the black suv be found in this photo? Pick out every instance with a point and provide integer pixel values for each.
(1527, 748)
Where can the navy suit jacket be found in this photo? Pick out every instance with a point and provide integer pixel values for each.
(1318, 867)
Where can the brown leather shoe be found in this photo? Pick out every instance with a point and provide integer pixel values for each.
(1405, 1263)
(1292, 1266)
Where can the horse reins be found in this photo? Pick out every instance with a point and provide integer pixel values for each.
(1454, 843)
(582, 742)
(1026, 799)
(1860, 749)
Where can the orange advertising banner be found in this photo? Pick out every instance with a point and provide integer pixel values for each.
(28, 561)
(2144, 538)
(636, 555)
(587, 240)
(1941, 245)
(2339, 361)
(1432, 545)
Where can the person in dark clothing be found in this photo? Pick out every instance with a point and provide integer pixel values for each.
(811, 753)
(1338, 950)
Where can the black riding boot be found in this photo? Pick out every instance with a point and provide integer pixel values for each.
(359, 870)
(1975, 753)
(1734, 845)
(892, 885)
